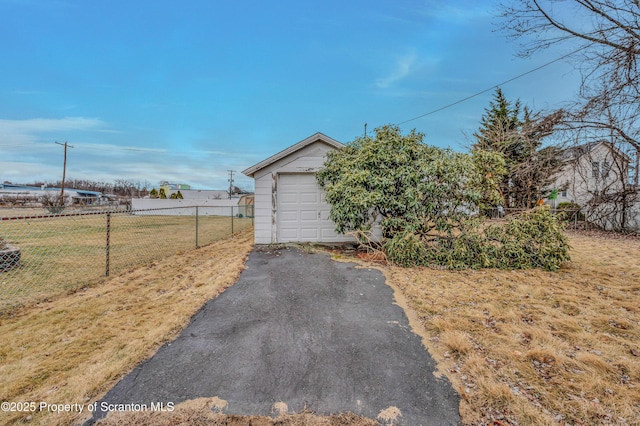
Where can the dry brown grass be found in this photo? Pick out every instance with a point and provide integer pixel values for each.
(206, 411)
(535, 347)
(66, 253)
(74, 348)
(521, 347)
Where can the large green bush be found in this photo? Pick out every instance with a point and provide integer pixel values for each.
(405, 249)
(534, 239)
(406, 186)
(427, 200)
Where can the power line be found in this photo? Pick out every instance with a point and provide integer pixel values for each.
(492, 87)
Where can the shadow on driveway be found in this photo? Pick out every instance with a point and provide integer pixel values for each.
(301, 329)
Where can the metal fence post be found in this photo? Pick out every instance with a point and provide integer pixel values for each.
(196, 226)
(108, 244)
(231, 220)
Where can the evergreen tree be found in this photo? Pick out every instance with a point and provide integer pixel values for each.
(516, 133)
(498, 124)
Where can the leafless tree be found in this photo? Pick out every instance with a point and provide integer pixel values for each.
(605, 32)
(605, 38)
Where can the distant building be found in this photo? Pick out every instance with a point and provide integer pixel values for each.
(596, 177)
(170, 188)
(590, 171)
(31, 195)
(203, 194)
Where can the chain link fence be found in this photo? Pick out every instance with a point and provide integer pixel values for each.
(583, 218)
(573, 218)
(43, 255)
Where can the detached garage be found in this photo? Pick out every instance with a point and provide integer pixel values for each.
(289, 204)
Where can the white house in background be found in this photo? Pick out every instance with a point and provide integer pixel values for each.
(289, 204)
(590, 170)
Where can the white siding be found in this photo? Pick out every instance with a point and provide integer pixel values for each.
(263, 210)
(307, 160)
(269, 199)
(581, 182)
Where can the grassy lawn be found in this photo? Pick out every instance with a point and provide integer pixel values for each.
(65, 253)
(521, 347)
(76, 347)
(535, 347)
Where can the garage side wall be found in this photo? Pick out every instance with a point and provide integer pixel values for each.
(264, 210)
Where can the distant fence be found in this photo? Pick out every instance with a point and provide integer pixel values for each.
(42, 255)
(584, 218)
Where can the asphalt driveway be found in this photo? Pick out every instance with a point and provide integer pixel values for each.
(301, 329)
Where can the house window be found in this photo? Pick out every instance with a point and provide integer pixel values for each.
(606, 167)
(595, 169)
(564, 193)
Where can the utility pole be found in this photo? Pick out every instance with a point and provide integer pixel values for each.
(64, 168)
(230, 181)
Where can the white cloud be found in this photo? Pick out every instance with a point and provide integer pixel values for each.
(403, 67)
(28, 154)
(38, 132)
(40, 125)
(108, 149)
(25, 171)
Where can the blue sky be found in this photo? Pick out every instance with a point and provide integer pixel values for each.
(185, 90)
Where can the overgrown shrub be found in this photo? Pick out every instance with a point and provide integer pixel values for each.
(532, 239)
(403, 185)
(54, 202)
(405, 249)
(469, 250)
(426, 201)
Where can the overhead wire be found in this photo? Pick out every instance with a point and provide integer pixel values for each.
(491, 88)
(402, 122)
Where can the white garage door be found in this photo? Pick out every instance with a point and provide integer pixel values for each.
(303, 215)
